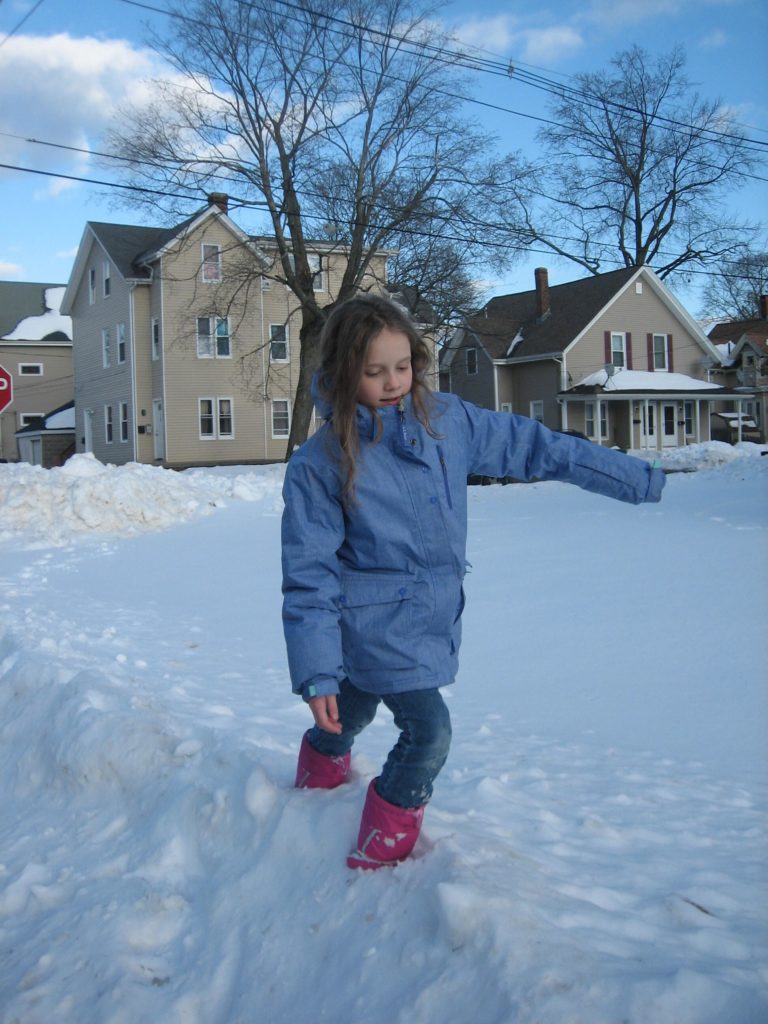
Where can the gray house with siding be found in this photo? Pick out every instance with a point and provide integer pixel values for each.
(613, 356)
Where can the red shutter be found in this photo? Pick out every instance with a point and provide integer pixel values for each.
(607, 337)
(649, 340)
(629, 350)
(670, 360)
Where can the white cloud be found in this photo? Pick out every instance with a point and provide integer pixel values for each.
(64, 90)
(495, 34)
(11, 270)
(550, 45)
(714, 40)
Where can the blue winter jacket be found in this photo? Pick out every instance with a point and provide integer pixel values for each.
(374, 592)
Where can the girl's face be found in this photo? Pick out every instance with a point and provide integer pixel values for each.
(387, 375)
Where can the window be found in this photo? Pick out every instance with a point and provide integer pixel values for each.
(107, 278)
(211, 265)
(660, 352)
(123, 421)
(589, 420)
(91, 286)
(688, 415)
(109, 432)
(106, 348)
(216, 418)
(121, 343)
(317, 266)
(278, 343)
(155, 339)
(30, 369)
(26, 418)
(618, 350)
(537, 411)
(281, 417)
(471, 361)
(213, 337)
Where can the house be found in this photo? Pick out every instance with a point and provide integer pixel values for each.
(613, 356)
(48, 441)
(743, 366)
(186, 343)
(36, 352)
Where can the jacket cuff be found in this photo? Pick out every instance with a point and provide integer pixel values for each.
(322, 686)
(656, 485)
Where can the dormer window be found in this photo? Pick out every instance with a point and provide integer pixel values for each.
(211, 263)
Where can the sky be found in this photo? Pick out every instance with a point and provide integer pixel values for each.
(64, 67)
(595, 849)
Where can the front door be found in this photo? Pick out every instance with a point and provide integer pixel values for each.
(669, 425)
(649, 437)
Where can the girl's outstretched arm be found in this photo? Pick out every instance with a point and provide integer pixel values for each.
(326, 713)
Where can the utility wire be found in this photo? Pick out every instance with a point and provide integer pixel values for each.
(16, 28)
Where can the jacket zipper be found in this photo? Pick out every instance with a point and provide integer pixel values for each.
(445, 476)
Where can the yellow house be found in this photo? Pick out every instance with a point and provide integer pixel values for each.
(186, 345)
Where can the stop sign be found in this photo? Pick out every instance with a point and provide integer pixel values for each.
(6, 388)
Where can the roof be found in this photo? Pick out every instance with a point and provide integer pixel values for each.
(29, 311)
(754, 331)
(509, 328)
(58, 421)
(572, 307)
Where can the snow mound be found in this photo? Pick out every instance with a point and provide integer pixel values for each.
(52, 506)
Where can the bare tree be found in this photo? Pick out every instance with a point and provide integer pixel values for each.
(637, 171)
(337, 118)
(735, 290)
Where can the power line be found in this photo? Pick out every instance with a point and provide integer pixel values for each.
(16, 28)
(401, 230)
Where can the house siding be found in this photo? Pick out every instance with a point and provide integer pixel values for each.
(97, 386)
(33, 395)
(479, 387)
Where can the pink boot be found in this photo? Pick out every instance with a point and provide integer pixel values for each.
(387, 833)
(317, 771)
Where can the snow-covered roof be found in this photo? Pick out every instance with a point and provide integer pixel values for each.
(41, 326)
(646, 380)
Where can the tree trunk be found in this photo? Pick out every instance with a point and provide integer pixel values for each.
(309, 361)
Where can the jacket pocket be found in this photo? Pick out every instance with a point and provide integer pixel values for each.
(376, 620)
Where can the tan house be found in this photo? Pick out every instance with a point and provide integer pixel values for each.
(36, 352)
(614, 356)
(743, 348)
(186, 346)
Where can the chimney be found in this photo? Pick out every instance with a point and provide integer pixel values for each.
(542, 293)
(764, 307)
(220, 199)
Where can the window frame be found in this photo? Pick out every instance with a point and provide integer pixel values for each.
(213, 336)
(120, 343)
(109, 425)
(210, 269)
(106, 278)
(590, 409)
(471, 350)
(216, 415)
(154, 339)
(287, 413)
(106, 348)
(537, 404)
(654, 352)
(24, 370)
(284, 341)
(91, 286)
(123, 418)
(621, 349)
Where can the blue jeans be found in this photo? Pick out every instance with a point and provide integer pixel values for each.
(415, 760)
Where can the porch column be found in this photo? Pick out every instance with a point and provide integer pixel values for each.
(599, 418)
(630, 407)
(698, 421)
(739, 408)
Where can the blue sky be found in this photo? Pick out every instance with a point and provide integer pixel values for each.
(64, 66)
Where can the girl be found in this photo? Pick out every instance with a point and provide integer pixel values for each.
(374, 537)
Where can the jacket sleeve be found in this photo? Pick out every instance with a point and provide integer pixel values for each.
(312, 533)
(503, 444)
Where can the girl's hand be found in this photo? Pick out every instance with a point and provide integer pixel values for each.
(325, 711)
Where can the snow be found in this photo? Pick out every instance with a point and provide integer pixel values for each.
(38, 327)
(595, 850)
(64, 419)
(646, 380)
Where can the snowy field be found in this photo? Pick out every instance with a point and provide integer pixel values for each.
(595, 852)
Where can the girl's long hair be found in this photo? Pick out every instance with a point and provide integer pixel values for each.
(344, 342)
